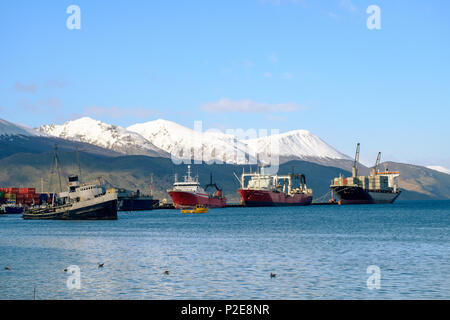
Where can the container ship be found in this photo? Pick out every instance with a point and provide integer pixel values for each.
(188, 193)
(378, 187)
(265, 190)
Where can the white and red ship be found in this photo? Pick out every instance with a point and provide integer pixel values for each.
(188, 193)
(264, 190)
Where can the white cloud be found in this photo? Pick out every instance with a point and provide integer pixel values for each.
(348, 5)
(287, 75)
(249, 106)
(31, 88)
(56, 83)
(332, 15)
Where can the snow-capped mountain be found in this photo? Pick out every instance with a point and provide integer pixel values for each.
(103, 135)
(10, 129)
(182, 142)
(301, 144)
(171, 137)
(440, 169)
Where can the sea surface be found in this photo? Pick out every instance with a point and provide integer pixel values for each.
(316, 252)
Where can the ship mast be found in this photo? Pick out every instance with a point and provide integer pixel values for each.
(151, 184)
(79, 166)
(56, 166)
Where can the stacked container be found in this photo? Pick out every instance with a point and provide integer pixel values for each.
(23, 196)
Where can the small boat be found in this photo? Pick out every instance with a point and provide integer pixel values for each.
(197, 209)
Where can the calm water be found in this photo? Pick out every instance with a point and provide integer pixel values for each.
(317, 252)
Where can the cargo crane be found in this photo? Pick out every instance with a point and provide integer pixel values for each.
(355, 164)
(377, 163)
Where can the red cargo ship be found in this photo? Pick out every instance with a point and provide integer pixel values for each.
(188, 194)
(265, 190)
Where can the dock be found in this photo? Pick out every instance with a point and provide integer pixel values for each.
(324, 203)
(233, 205)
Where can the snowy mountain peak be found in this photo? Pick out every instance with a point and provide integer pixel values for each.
(297, 144)
(171, 136)
(103, 135)
(166, 138)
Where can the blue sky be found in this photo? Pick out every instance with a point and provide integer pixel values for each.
(281, 64)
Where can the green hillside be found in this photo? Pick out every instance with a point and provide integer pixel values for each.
(133, 172)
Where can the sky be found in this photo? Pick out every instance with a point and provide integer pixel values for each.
(262, 64)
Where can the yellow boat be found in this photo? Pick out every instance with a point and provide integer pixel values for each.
(197, 209)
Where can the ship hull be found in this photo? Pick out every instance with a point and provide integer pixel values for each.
(97, 211)
(186, 200)
(132, 204)
(263, 198)
(13, 210)
(358, 195)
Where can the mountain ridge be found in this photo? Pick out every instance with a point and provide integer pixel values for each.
(417, 181)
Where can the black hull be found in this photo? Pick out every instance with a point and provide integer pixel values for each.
(137, 204)
(358, 195)
(100, 211)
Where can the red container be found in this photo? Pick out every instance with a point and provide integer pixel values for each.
(13, 190)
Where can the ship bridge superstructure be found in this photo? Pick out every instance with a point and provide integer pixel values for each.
(189, 183)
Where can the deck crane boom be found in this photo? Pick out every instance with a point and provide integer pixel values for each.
(355, 164)
(377, 163)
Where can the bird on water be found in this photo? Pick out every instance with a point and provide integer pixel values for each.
(272, 275)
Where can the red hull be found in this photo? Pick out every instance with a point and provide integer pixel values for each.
(263, 198)
(182, 200)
